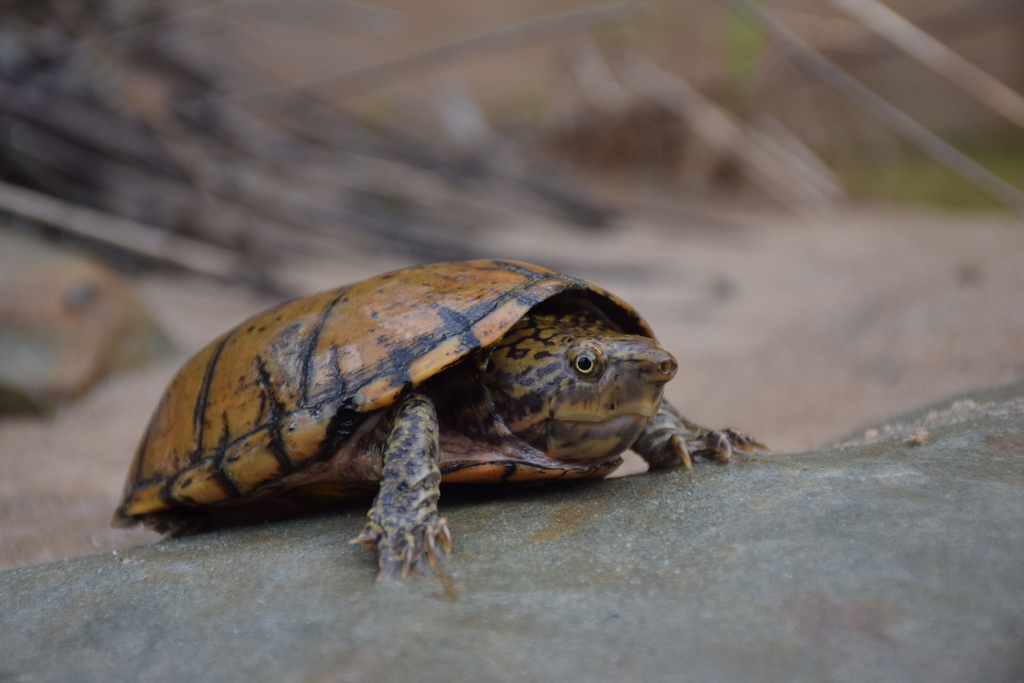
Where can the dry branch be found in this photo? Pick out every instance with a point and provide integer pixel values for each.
(904, 126)
(251, 194)
(770, 166)
(123, 233)
(949, 24)
(936, 56)
(509, 36)
(87, 125)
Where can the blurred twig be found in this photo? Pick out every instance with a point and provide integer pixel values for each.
(779, 172)
(948, 24)
(87, 124)
(903, 125)
(120, 157)
(148, 98)
(367, 18)
(123, 233)
(501, 38)
(490, 163)
(937, 57)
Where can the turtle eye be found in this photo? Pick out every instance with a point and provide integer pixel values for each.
(584, 362)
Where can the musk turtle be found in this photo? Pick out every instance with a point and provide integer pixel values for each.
(483, 371)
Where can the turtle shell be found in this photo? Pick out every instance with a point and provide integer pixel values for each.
(288, 387)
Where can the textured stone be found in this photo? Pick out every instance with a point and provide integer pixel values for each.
(65, 323)
(880, 559)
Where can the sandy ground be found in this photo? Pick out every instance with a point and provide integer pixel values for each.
(798, 332)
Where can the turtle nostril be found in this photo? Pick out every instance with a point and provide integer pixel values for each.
(668, 367)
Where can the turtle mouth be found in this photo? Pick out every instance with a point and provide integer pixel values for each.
(638, 409)
(591, 439)
(613, 405)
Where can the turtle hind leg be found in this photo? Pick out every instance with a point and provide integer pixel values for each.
(670, 440)
(403, 523)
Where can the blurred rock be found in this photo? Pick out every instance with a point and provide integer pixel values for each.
(65, 322)
(875, 560)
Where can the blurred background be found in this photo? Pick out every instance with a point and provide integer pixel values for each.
(816, 203)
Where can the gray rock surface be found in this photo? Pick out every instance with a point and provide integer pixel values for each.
(876, 560)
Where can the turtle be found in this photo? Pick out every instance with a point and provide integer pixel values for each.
(467, 372)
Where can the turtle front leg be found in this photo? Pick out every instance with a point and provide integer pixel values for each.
(403, 523)
(670, 440)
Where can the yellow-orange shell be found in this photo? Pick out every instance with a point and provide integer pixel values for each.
(287, 388)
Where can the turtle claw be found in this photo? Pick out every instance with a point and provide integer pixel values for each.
(721, 444)
(664, 446)
(369, 537)
(398, 550)
(445, 536)
(670, 440)
(746, 443)
(679, 446)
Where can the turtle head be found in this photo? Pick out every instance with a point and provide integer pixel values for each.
(574, 387)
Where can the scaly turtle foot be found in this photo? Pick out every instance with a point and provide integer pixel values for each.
(399, 549)
(403, 523)
(671, 440)
(721, 443)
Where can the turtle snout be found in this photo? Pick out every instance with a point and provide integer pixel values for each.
(664, 367)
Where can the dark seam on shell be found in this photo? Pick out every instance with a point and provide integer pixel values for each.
(461, 325)
(510, 469)
(140, 455)
(199, 410)
(274, 418)
(310, 348)
(225, 434)
(221, 477)
(336, 367)
(165, 490)
(342, 425)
